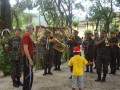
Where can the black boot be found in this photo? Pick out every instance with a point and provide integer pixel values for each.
(15, 83)
(70, 77)
(87, 68)
(19, 82)
(49, 71)
(45, 71)
(98, 78)
(59, 68)
(104, 78)
(91, 70)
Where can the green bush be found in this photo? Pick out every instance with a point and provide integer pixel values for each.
(4, 63)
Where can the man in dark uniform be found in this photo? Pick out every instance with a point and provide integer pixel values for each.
(103, 56)
(58, 53)
(48, 52)
(74, 41)
(88, 46)
(15, 58)
(118, 53)
(114, 52)
(96, 37)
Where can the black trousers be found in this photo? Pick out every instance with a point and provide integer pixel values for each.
(48, 60)
(28, 74)
(57, 57)
(102, 64)
(113, 62)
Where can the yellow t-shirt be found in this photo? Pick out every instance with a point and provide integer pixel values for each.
(78, 63)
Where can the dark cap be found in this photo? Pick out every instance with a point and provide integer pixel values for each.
(103, 31)
(75, 31)
(112, 32)
(18, 29)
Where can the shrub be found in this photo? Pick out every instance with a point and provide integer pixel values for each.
(4, 63)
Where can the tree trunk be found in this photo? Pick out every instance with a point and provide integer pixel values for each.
(17, 19)
(97, 23)
(6, 15)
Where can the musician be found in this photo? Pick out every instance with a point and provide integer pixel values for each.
(74, 41)
(103, 56)
(88, 46)
(96, 37)
(48, 52)
(57, 54)
(118, 59)
(114, 52)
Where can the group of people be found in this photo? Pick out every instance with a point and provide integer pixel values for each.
(20, 51)
(101, 50)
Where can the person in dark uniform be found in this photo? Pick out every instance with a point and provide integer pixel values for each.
(114, 52)
(103, 56)
(88, 46)
(58, 54)
(48, 52)
(15, 58)
(96, 37)
(118, 53)
(74, 41)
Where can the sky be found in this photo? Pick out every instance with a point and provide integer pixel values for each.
(78, 13)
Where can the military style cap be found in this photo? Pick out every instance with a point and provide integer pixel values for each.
(76, 31)
(48, 31)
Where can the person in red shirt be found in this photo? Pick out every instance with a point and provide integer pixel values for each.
(27, 46)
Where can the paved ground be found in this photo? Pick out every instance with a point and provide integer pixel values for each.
(60, 81)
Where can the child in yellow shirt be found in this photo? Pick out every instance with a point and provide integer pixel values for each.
(77, 64)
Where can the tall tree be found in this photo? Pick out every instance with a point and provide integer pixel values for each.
(106, 11)
(5, 17)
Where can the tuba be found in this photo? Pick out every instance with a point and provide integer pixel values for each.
(58, 45)
(119, 44)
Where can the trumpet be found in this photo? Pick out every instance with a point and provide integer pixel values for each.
(119, 44)
(106, 42)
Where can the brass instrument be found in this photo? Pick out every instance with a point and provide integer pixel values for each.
(58, 45)
(119, 44)
(106, 42)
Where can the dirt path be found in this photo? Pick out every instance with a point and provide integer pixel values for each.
(60, 81)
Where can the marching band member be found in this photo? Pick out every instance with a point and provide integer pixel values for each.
(48, 52)
(103, 56)
(88, 46)
(114, 52)
(57, 54)
(96, 37)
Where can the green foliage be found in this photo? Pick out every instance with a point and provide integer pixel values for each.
(4, 63)
(75, 23)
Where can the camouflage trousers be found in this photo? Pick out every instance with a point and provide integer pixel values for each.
(16, 67)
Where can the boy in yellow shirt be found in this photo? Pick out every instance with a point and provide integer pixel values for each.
(77, 64)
